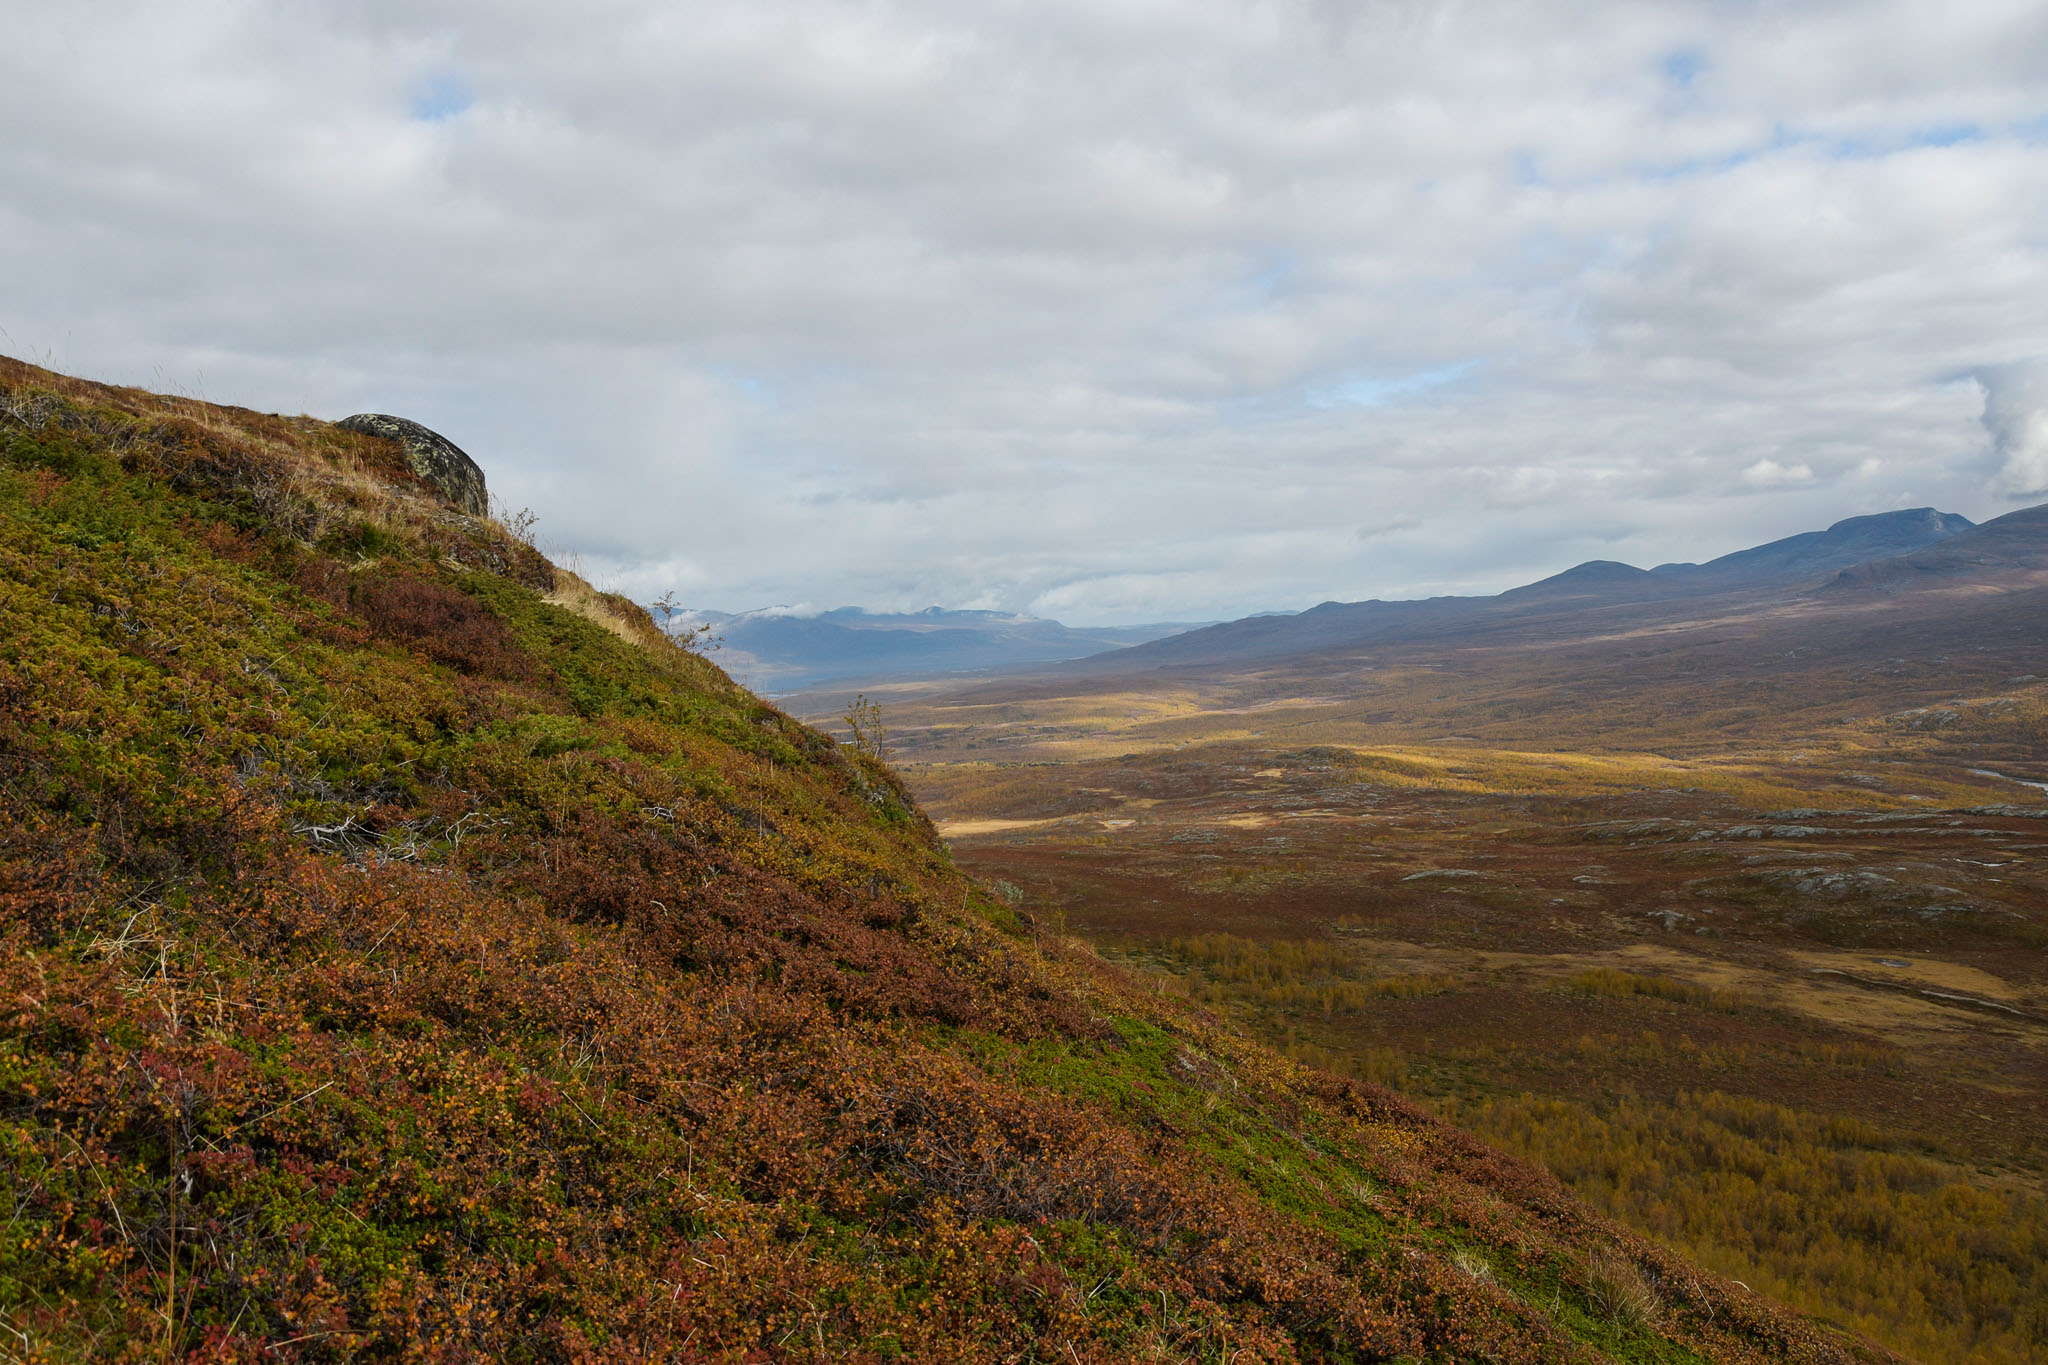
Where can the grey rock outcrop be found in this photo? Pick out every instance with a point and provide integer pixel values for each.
(434, 458)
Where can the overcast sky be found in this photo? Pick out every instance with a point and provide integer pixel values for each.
(1108, 310)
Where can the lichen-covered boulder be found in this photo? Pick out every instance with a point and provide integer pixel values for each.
(434, 458)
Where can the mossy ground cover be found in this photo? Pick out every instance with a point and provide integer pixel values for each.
(399, 963)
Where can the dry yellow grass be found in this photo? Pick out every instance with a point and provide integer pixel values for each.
(572, 593)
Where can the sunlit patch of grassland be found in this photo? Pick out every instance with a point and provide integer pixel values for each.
(979, 790)
(1758, 781)
(1825, 739)
(1067, 728)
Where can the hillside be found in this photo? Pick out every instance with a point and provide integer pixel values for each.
(410, 953)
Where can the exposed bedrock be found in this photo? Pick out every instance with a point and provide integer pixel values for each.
(434, 458)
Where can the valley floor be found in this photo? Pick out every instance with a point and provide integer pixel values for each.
(1785, 1010)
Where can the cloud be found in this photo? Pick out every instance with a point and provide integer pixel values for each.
(1768, 473)
(1064, 304)
(2016, 415)
(1389, 526)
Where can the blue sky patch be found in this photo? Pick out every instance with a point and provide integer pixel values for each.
(441, 99)
(1360, 392)
(1948, 135)
(1683, 67)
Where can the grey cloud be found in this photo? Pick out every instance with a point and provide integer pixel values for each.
(1392, 526)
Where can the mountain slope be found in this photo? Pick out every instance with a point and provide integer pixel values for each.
(2008, 552)
(1597, 579)
(1858, 540)
(1600, 598)
(410, 953)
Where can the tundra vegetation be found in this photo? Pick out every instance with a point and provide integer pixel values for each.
(411, 952)
(1740, 933)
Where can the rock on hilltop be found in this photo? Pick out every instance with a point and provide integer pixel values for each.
(434, 458)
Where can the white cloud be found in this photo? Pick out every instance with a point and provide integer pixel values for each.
(1768, 473)
(2016, 415)
(1135, 309)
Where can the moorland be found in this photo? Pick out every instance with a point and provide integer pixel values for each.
(1720, 894)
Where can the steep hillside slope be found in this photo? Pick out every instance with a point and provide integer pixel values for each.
(408, 953)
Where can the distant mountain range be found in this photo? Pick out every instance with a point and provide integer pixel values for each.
(1884, 554)
(1867, 557)
(779, 650)
(1859, 540)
